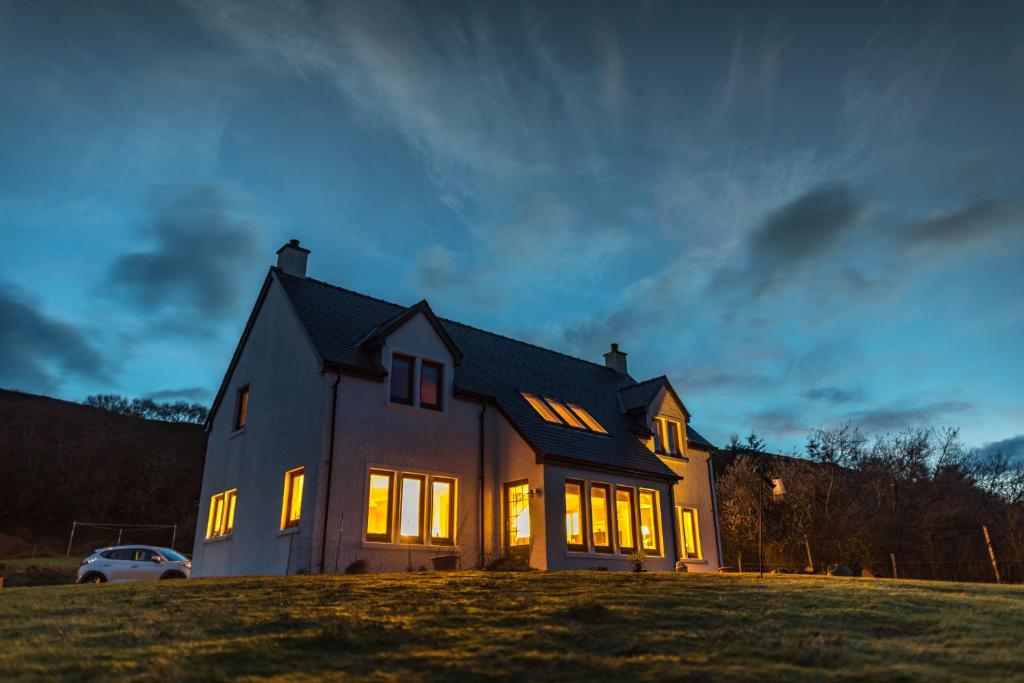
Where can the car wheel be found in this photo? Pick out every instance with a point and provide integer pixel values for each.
(93, 578)
(173, 575)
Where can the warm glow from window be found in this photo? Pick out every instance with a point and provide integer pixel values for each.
(221, 519)
(587, 418)
(291, 502)
(624, 518)
(567, 415)
(518, 514)
(378, 512)
(411, 517)
(690, 532)
(541, 407)
(242, 410)
(574, 514)
(442, 509)
(600, 518)
(667, 436)
(649, 531)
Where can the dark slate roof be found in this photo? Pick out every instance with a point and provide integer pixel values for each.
(337, 320)
(640, 395)
(695, 438)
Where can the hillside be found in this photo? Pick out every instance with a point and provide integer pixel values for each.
(63, 461)
(593, 626)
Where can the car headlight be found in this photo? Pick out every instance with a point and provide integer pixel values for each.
(188, 565)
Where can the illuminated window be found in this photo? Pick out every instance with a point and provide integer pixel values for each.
(689, 532)
(672, 437)
(442, 511)
(242, 407)
(588, 419)
(567, 415)
(378, 506)
(541, 407)
(650, 533)
(574, 515)
(667, 436)
(410, 527)
(291, 502)
(517, 501)
(221, 519)
(431, 385)
(600, 518)
(624, 514)
(401, 378)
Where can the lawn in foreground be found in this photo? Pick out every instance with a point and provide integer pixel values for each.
(515, 626)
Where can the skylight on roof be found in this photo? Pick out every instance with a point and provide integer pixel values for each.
(565, 414)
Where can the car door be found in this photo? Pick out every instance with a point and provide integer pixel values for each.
(116, 565)
(142, 566)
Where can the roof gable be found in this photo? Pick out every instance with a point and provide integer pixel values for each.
(376, 337)
(637, 397)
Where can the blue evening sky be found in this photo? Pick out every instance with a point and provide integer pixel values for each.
(802, 213)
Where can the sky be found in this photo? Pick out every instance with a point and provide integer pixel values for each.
(803, 213)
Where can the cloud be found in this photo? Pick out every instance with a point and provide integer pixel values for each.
(1013, 447)
(971, 223)
(190, 273)
(830, 394)
(185, 394)
(37, 351)
(778, 422)
(896, 418)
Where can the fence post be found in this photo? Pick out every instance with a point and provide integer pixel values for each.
(810, 559)
(739, 560)
(174, 536)
(991, 554)
(892, 556)
(73, 525)
(119, 536)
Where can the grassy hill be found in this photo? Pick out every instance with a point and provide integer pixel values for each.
(593, 626)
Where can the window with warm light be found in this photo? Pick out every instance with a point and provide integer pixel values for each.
(242, 407)
(567, 415)
(431, 385)
(221, 520)
(442, 511)
(575, 538)
(600, 518)
(517, 502)
(410, 527)
(588, 419)
(542, 408)
(667, 436)
(291, 501)
(689, 532)
(624, 514)
(401, 378)
(562, 413)
(378, 506)
(650, 531)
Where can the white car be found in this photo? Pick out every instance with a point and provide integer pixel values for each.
(133, 563)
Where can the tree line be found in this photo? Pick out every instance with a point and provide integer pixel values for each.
(148, 409)
(917, 499)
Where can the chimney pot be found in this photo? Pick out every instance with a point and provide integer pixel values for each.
(616, 360)
(291, 258)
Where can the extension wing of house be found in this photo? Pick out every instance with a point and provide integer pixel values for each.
(352, 429)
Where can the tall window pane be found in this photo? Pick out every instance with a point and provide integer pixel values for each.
(574, 515)
(518, 501)
(229, 503)
(690, 532)
(673, 437)
(649, 532)
(567, 415)
(600, 517)
(291, 504)
(541, 407)
(659, 440)
(378, 511)
(624, 519)
(401, 378)
(442, 505)
(411, 518)
(213, 527)
(431, 385)
(242, 407)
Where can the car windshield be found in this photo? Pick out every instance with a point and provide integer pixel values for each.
(172, 555)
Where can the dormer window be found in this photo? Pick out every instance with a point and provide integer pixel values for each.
(667, 436)
(562, 413)
(431, 384)
(401, 378)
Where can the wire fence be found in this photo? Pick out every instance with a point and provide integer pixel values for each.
(122, 533)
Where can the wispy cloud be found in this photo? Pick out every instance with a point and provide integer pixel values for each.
(896, 417)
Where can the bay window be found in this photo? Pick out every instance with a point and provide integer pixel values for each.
(409, 508)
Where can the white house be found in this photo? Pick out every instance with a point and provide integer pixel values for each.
(349, 428)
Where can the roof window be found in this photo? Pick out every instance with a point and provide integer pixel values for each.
(565, 414)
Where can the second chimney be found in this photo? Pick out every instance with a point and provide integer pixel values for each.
(291, 258)
(616, 360)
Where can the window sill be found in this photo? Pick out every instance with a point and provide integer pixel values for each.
(217, 539)
(289, 531)
(586, 554)
(692, 561)
(442, 549)
(237, 432)
(417, 410)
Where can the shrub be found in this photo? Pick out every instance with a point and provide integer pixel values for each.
(357, 567)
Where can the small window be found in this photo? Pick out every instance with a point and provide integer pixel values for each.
(411, 516)
(291, 503)
(221, 520)
(229, 504)
(672, 433)
(442, 511)
(242, 407)
(624, 514)
(541, 407)
(588, 419)
(575, 538)
(650, 528)
(659, 438)
(567, 415)
(401, 378)
(378, 506)
(517, 501)
(689, 533)
(431, 385)
(600, 518)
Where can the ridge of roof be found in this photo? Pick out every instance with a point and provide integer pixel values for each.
(659, 378)
(450, 321)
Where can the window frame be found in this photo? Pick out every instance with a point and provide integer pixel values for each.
(609, 504)
(410, 383)
(419, 538)
(439, 406)
(632, 518)
(241, 407)
(568, 417)
(506, 512)
(448, 540)
(541, 407)
(387, 536)
(582, 493)
(680, 516)
(589, 420)
(673, 447)
(215, 515)
(658, 427)
(656, 513)
(288, 498)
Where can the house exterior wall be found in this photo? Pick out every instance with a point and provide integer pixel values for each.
(288, 401)
(694, 490)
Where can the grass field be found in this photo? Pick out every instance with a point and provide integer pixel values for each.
(515, 626)
(39, 571)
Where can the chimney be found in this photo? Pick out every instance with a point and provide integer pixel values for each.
(291, 258)
(616, 360)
